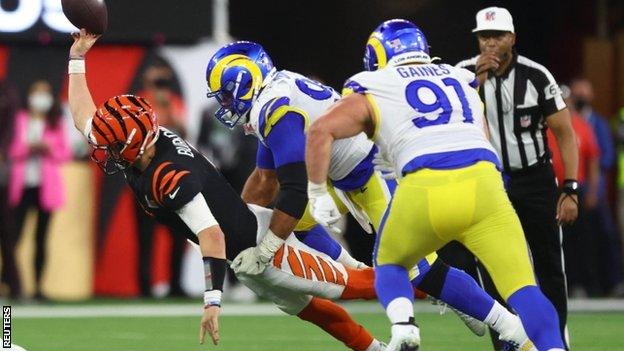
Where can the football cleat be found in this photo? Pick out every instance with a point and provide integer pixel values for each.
(517, 339)
(476, 326)
(405, 337)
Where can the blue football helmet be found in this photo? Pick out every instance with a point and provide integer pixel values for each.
(396, 40)
(235, 75)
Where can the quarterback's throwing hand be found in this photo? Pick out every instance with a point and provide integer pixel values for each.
(83, 41)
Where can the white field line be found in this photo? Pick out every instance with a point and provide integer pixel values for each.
(257, 309)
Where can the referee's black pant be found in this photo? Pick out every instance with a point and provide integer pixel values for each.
(534, 195)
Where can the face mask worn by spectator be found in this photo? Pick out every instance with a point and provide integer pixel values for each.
(40, 102)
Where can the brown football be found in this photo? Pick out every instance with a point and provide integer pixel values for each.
(89, 14)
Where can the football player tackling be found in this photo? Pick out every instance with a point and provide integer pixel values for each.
(427, 119)
(277, 107)
(183, 190)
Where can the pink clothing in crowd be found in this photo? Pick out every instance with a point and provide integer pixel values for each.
(52, 192)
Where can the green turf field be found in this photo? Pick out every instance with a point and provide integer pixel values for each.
(590, 331)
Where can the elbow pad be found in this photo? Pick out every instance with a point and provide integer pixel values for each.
(293, 197)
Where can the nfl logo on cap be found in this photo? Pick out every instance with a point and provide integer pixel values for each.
(494, 18)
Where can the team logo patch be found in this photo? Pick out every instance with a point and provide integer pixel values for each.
(166, 184)
(396, 45)
(490, 16)
(525, 121)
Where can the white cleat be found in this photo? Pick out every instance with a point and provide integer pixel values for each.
(377, 345)
(516, 339)
(405, 337)
(476, 326)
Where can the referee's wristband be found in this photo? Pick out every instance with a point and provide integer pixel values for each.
(570, 186)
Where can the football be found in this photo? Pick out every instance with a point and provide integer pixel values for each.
(89, 14)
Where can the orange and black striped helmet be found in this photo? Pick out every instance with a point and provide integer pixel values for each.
(122, 128)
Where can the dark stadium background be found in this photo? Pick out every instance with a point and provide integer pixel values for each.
(320, 38)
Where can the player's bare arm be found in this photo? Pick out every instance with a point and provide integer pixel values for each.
(198, 217)
(212, 244)
(81, 103)
(561, 125)
(348, 117)
(261, 187)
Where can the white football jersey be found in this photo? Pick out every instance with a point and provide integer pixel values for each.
(313, 99)
(426, 116)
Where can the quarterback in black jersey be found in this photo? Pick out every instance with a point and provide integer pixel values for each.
(182, 189)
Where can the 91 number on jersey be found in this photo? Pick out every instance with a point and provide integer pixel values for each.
(441, 101)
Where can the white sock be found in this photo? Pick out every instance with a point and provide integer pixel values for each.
(346, 259)
(500, 319)
(399, 310)
(374, 346)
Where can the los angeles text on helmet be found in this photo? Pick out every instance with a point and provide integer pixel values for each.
(27, 12)
(181, 146)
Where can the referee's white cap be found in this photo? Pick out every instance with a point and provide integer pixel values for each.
(494, 18)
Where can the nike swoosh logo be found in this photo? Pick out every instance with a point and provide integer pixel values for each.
(173, 194)
(363, 189)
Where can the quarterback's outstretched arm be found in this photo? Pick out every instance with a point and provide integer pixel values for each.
(348, 117)
(81, 103)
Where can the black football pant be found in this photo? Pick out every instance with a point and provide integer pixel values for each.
(30, 199)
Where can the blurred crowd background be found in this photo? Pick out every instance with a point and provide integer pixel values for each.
(68, 232)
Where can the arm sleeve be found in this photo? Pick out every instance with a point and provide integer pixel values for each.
(287, 143)
(197, 215)
(286, 139)
(264, 157)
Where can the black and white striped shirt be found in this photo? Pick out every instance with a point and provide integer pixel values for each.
(517, 104)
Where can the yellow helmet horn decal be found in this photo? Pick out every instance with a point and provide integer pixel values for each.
(380, 52)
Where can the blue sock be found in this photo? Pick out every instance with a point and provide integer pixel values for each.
(538, 316)
(319, 239)
(391, 282)
(462, 292)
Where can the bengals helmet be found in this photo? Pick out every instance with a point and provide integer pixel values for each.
(122, 128)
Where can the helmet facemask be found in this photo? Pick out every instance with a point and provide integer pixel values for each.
(235, 75)
(234, 107)
(121, 130)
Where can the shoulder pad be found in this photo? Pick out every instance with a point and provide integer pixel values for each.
(351, 86)
(273, 111)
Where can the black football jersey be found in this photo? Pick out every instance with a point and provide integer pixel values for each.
(175, 175)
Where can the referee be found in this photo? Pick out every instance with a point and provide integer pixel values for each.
(522, 100)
